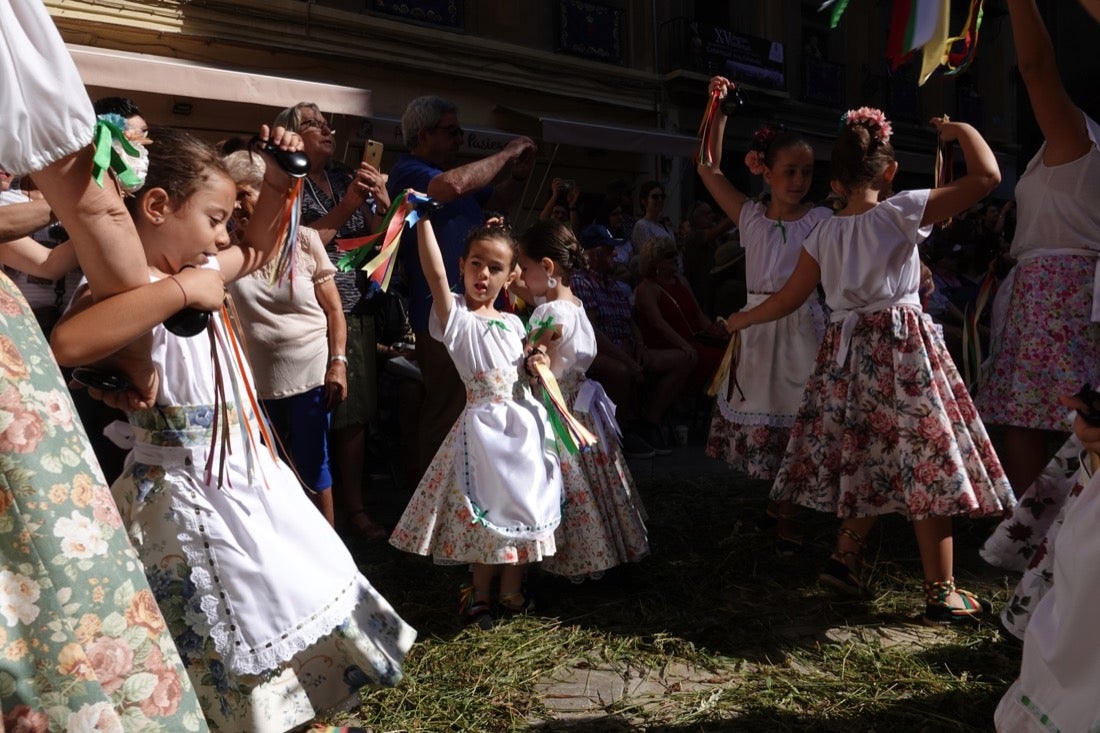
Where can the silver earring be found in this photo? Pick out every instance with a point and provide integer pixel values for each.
(551, 282)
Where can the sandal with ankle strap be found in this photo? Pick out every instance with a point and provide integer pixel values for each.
(838, 574)
(515, 604)
(938, 613)
(474, 612)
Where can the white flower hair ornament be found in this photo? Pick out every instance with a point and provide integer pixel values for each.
(873, 119)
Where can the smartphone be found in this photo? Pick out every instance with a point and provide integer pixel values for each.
(100, 379)
(568, 183)
(372, 153)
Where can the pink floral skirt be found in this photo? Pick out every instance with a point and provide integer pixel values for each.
(892, 430)
(1048, 347)
(756, 450)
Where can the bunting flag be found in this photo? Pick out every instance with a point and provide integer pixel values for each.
(961, 48)
(972, 335)
(896, 54)
(934, 51)
(574, 436)
(839, 6)
(286, 255)
(381, 247)
(705, 156)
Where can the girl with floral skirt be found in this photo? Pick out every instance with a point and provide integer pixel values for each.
(273, 620)
(603, 519)
(491, 497)
(758, 400)
(886, 425)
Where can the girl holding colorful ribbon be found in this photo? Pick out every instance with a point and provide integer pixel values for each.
(253, 582)
(492, 495)
(886, 425)
(757, 402)
(602, 522)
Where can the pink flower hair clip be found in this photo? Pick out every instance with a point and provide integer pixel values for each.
(873, 119)
(754, 161)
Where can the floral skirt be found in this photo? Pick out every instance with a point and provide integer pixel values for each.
(1048, 346)
(1018, 537)
(603, 520)
(83, 644)
(273, 621)
(756, 450)
(892, 430)
(1038, 577)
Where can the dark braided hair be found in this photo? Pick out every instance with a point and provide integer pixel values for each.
(557, 243)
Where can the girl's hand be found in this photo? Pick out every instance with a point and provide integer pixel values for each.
(736, 322)
(203, 286)
(283, 139)
(720, 83)
(556, 187)
(947, 131)
(1089, 435)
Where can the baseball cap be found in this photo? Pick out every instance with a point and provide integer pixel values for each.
(597, 235)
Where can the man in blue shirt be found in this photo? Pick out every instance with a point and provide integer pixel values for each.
(433, 136)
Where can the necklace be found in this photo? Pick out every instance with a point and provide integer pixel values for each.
(317, 194)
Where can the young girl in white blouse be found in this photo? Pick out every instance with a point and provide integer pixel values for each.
(886, 425)
(602, 520)
(753, 416)
(491, 497)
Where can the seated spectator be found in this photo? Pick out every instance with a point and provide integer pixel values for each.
(670, 318)
(653, 224)
(727, 278)
(704, 232)
(623, 364)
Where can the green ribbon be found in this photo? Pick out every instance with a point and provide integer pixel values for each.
(107, 158)
(538, 328)
(494, 322)
(479, 515)
(559, 428)
(782, 229)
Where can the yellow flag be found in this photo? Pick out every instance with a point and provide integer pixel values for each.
(934, 53)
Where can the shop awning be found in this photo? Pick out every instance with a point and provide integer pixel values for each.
(140, 72)
(591, 134)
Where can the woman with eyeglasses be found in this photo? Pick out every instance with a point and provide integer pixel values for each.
(651, 197)
(340, 202)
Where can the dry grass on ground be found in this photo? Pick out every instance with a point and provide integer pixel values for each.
(775, 651)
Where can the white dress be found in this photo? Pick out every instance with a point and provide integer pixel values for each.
(602, 521)
(45, 112)
(272, 618)
(753, 420)
(493, 492)
(1060, 672)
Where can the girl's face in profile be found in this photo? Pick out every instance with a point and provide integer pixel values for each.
(486, 269)
(791, 175)
(197, 226)
(534, 274)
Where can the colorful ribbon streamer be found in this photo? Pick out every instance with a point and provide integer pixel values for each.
(384, 243)
(728, 367)
(573, 436)
(838, 10)
(286, 256)
(705, 155)
(959, 61)
(944, 171)
(106, 157)
(972, 335)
